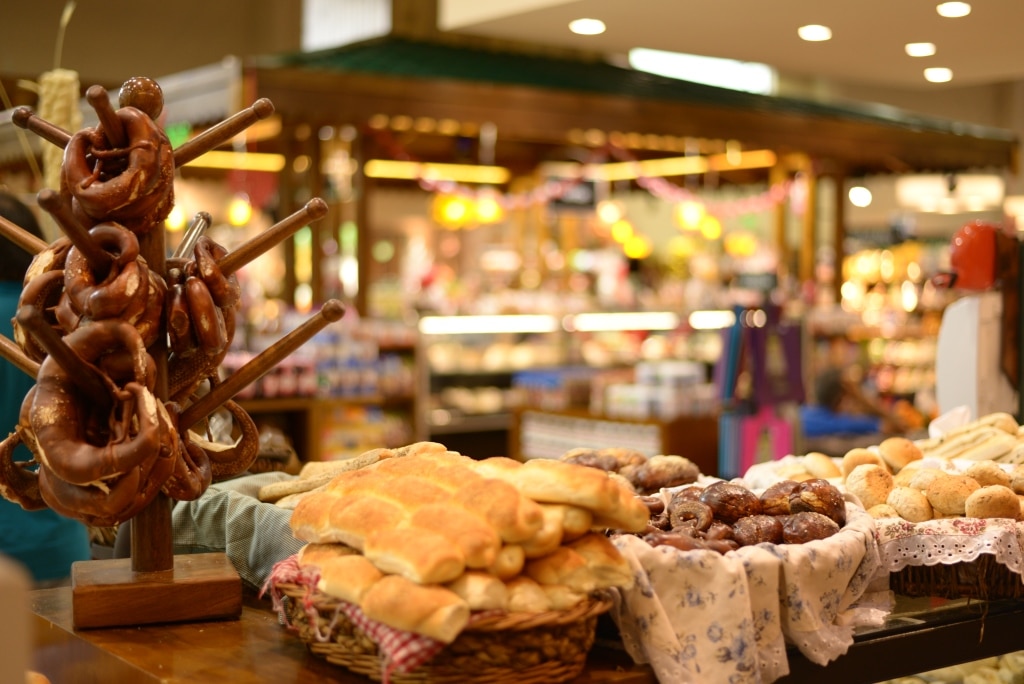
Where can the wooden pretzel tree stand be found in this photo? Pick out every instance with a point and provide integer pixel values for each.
(154, 585)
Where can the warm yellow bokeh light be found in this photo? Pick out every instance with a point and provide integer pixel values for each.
(175, 221)
(622, 230)
(740, 244)
(637, 247)
(239, 210)
(682, 246)
(710, 227)
(690, 214)
(488, 210)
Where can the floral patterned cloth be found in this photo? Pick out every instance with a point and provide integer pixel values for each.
(700, 616)
(949, 540)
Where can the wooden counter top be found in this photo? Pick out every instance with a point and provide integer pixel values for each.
(254, 648)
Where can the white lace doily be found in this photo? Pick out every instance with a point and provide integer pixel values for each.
(699, 616)
(948, 541)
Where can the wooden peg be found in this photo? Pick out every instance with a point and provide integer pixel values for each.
(222, 132)
(21, 237)
(315, 209)
(24, 118)
(331, 311)
(113, 129)
(85, 376)
(12, 352)
(98, 259)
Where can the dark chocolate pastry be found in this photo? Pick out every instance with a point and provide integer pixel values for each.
(659, 472)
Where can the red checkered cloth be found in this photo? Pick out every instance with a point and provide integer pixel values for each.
(401, 651)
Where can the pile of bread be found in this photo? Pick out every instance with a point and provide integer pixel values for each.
(422, 537)
(918, 481)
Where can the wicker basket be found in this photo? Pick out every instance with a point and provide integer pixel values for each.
(983, 578)
(511, 648)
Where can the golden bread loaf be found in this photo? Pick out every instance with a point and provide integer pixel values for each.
(992, 501)
(871, 483)
(344, 573)
(433, 611)
(480, 590)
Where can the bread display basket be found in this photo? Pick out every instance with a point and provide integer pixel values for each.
(495, 648)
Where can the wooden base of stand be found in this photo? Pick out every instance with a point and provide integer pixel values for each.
(108, 593)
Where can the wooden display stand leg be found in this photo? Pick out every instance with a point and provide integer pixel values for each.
(154, 585)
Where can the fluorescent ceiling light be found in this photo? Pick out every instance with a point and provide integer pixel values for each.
(463, 325)
(711, 320)
(587, 26)
(920, 49)
(629, 320)
(243, 161)
(409, 170)
(953, 10)
(938, 74)
(751, 77)
(814, 33)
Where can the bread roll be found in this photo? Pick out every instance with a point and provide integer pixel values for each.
(561, 597)
(549, 537)
(992, 501)
(988, 473)
(432, 611)
(509, 562)
(591, 562)
(948, 495)
(326, 518)
(1017, 478)
(472, 534)
(821, 466)
(526, 596)
(898, 452)
(550, 481)
(480, 590)
(344, 573)
(883, 511)
(910, 504)
(860, 456)
(923, 477)
(871, 483)
(419, 555)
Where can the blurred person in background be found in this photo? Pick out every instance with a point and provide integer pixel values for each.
(44, 541)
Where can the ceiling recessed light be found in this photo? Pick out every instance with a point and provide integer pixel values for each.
(814, 32)
(920, 49)
(938, 75)
(587, 27)
(953, 9)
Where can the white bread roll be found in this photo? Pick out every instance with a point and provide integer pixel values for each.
(948, 495)
(898, 452)
(988, 473)
(820, 465)
(922, 477)
(472, 534)
(526, 596)
(992, 501)
(509, 562)
(883, 511)
(419, 555)
(592, 562)
(860, 456)
(480, 590)
(432, 611)
(344, 573)
(871, 483)
(910, 504)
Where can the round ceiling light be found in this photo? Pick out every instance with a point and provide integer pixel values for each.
(587, 26)
(814, 32)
